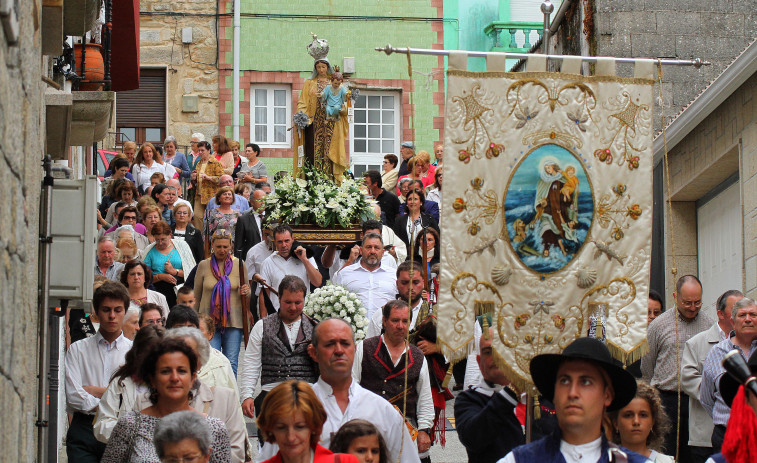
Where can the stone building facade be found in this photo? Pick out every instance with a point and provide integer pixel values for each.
(192, 97)
(22, 143)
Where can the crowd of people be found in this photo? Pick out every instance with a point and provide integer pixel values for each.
(198, 322)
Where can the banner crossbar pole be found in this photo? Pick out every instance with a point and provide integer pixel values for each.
(388, 49)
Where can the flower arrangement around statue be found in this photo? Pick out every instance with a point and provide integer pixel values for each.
(334, 301)
(317, 200)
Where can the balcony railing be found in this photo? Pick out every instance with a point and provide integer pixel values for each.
(513, 36)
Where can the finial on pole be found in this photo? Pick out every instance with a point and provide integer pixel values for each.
(546, 8)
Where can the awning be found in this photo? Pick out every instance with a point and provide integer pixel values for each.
(124, 44)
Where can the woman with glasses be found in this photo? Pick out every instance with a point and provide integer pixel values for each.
(136, 277)
(185, 231)
(170, 371)
(170, 260)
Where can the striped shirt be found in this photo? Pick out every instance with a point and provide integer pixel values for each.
(659, 367)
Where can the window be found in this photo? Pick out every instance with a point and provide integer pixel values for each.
(375, 130)
(141, 113)
(270, 112)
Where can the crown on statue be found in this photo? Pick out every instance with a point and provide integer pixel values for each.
(318, 48)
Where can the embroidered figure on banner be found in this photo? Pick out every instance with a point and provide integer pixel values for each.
(477, 205)
(615, 211)
(631, 120)
(549, 208)
(474, 119)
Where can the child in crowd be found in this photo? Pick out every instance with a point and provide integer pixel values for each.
(362, 439)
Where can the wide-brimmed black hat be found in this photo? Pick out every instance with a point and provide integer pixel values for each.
(728, 384)
(544, 370)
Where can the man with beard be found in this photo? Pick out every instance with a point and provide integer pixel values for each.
(374, 283)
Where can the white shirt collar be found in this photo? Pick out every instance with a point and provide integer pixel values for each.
(583, 453)
(117, 343)
(330, 391)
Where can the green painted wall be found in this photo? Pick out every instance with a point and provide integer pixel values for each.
(277, 43)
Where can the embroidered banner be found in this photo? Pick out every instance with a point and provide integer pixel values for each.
(547, 212)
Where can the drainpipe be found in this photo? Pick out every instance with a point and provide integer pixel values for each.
(235, 76)
(45, 240)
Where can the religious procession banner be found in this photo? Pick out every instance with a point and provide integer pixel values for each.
(547, 210)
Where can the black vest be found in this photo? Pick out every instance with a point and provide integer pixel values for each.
(379, 374)
(279, 361)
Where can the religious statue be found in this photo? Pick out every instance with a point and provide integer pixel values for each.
(321, 124)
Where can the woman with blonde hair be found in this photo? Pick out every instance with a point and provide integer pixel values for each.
(219, 289)
(130, 150)
(292, 417)
(184, 230)
(420, 169)
(641, 425)
(147, 162)
(223, 153)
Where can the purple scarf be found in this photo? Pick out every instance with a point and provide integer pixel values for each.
(220, 298)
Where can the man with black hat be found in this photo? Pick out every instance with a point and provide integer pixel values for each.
(583, 382)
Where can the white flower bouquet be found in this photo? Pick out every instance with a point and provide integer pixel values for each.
(334, 301)
(317, 200)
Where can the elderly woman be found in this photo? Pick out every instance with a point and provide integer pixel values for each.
(434, 191)
(176, 158)
(215, 398)
(439, 155)
(223, 216)
(126, 249)
(170, 370)
(292, 417)
(223, 153)
(136, 277)
(254, 171)
(420, 169)
(205, 181)
(169, 260)
(389, 173)
(125, 192)
(152, 215)
(404, 187)
(131, 322)
(125, 385)
(130, 232)
(183, 436)
(185, 231)
(219, 288)
(148, 162)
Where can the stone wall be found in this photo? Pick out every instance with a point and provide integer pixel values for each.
(21, 147)
(191, 68)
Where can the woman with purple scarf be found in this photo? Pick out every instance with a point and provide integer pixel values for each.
(219, 294)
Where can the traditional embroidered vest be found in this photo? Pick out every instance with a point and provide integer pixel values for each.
(547, 450)
(280, 362)
(382, 377)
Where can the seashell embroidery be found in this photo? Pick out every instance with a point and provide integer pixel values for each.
(501, 274)
(586, 277)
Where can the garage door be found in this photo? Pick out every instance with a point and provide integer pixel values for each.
(719, 245)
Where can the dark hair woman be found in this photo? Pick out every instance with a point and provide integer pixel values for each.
(407, 227)
(136, 276)
(170, 370)
(121, 394)
(170, 260)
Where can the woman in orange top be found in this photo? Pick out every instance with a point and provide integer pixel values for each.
(205, 176)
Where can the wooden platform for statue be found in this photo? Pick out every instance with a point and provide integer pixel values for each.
(319, 236)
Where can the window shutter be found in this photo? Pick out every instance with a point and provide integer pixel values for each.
(145, 106)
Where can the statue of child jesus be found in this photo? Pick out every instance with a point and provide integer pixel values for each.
(334, 97)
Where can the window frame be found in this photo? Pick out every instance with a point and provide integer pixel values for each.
(374, 160)
(270, 126)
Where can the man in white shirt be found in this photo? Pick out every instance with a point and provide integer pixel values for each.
(287, 261)
(277, 348)
(385, 364)
(583, 382)
(336, 261)
(333, 348)
(90, 362)
(409, 285)
(369, 278)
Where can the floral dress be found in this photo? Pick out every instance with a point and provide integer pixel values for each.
(131, 440)
(215, 219)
